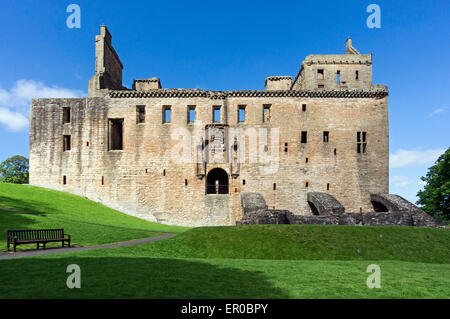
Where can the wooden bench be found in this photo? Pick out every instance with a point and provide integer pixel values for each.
(38, 236)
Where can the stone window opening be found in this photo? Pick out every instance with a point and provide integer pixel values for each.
(285, 147)
(356, 75)
(303, 107)
(241, 114)
(361, 142)
(266, 113)
(185, 182)
(266, 148)
(320, 86)
(306, 184)
(164, 172)
(320, 74)
(243, 182)
(167, 114)
(64, 180)
(326, 136)
(335, 152)
(115, 141)
(328, 186)
(338, 77)
(87, 144)
(304, 138)
(66, 115)
(103, 180)
(66, 143)
(306, 160)
(216, 114)
(191, 114)
(274, 186)
(140, 114)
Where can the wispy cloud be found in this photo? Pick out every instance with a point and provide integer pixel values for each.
(405, 158)
(441, 110)
(14, 103)
(400, 181)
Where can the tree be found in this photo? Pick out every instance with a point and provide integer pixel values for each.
(14, 170)
(435, 197)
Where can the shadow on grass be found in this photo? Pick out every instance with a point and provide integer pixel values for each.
(124, 277)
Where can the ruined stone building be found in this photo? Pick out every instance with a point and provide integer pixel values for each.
(186, 156)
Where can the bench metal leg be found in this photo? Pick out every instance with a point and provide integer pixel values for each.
(44, 245)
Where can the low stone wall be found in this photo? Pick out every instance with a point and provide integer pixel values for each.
(400, 212)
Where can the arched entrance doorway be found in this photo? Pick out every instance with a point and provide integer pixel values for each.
(217, 182)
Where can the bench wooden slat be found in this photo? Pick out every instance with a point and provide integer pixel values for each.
(16, 237)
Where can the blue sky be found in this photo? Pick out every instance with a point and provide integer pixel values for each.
(235, 45)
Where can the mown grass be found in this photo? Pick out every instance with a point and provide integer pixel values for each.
(254, 261)
(306, 242)
(88, 222)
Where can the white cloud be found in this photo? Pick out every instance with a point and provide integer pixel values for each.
(400, 181)
(404, 158)
(441, 110)
(14, 121)
(15, 103)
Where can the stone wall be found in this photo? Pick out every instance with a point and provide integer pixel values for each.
(149, 178)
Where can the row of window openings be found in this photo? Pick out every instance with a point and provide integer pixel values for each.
(116, 139)
(320, 75)
(186, 182)
(241, 114)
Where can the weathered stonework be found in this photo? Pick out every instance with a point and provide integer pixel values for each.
(123, 151)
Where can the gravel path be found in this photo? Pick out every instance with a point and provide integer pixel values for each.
(56, 250)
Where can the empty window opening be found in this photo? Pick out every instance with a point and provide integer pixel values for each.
(241, 114)
(191, 114)
(217, 182)
(303, 107)
(66, 115)
(235, 190)
(285, 147)
(266, 148)
(140, 114)
(328, 187)
(185, 182)
(320, 75)
(306, 160)
(115, 134)
(243, 182)
(164, 172)
(306, 184)
(103, 180)
(167, 114)
(338, 77)
(361, 142)
(266, 113)
(66, 143)
(320, 86)
(87, 144)
(335, 152)
(326, 135)
(356, 75)
(274, 186)
(64, 180)
(216, 114)
(304, 138)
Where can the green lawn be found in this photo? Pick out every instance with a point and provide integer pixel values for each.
(252, 261)
(88, 222)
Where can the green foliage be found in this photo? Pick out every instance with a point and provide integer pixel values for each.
(435, 197)
(14, 170)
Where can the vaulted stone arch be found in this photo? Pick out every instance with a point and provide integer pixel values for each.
(324, 204)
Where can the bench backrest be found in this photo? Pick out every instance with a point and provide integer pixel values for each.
(33, 234)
